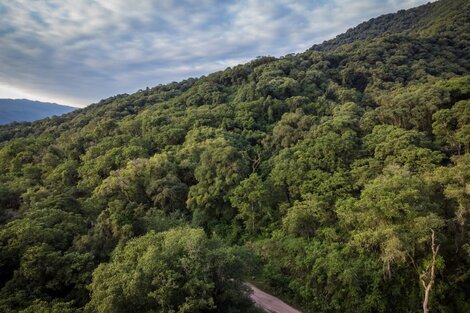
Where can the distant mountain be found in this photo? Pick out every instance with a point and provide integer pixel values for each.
(339, 176)
(23, 110)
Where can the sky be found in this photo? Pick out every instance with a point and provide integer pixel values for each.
(76, 52)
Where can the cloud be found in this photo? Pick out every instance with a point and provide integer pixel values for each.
(78, 52)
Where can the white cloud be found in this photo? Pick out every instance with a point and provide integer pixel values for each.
(82, 51)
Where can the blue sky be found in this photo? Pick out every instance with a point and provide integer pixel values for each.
(77, 52)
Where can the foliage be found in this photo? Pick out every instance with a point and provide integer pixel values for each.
(180, 270)
(334, 166)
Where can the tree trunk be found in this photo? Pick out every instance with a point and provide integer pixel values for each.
(428, 275)
(252, 218)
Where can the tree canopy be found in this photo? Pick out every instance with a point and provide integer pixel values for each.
(338, 178)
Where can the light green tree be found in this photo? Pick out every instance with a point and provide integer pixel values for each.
(179, 270)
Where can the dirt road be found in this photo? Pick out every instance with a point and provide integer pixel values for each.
(269, 303)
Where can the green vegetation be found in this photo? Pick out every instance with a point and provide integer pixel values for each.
(339, 177)
(179, 270)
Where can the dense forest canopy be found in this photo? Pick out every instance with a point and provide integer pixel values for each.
(339, 178)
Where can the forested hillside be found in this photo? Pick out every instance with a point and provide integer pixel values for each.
(339, 178)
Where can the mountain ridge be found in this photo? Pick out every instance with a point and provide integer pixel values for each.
(427, 11)
(337, 180)
(407, 22)
(25, 110)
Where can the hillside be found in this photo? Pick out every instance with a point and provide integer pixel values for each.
(23, 110)
(429, 19)
(337, 178)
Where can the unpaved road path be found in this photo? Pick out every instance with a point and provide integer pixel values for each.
(269, 303)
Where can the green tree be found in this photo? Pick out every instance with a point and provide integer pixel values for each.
(395, 217)
(180, 270)
(221, 168)
(251, 197)
(452, 127)
(306, 216)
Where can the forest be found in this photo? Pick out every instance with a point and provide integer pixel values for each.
(337, 178)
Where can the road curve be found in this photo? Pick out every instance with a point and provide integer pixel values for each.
(269, 303)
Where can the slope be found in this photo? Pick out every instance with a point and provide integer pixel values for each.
(428, 19)
(332, 172)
